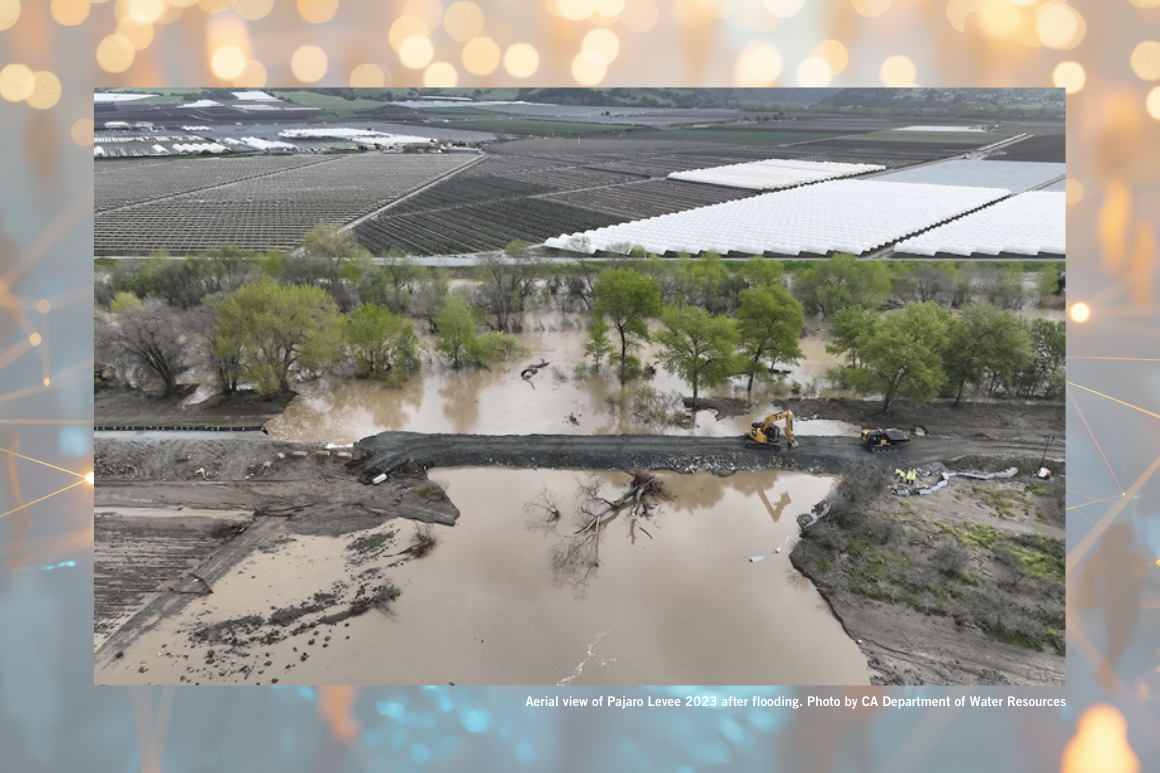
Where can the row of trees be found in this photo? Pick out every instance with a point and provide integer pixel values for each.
(703, 348)
(265, 332)
(921, 351)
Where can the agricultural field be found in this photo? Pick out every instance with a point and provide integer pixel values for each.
(1048, 147)
(260, 211)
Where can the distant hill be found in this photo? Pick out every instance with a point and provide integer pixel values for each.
(1041, 102)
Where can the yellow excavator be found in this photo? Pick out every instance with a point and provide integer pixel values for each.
(766, 434)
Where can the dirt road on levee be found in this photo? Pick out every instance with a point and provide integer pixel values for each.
(389, 451)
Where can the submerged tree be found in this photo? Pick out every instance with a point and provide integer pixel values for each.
(769, 321)
(626, 300)
(383, 344)
(576, 557)
(149, 334)
(698, 347)
(457, 340)
(904, 355)
(277, 328)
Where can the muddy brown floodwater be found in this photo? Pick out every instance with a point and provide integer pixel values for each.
(499, 402)
(686, 607)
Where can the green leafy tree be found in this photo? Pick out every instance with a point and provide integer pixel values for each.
(903, 357)
(277, 328)
(1049, 344)
(697, 346)
(986, 344)
(457, 340)
(1050, 295)
(382, 343)
(701, 282)
(850, 327)
(758, 271)
(597, 347)
(225, 269)
(506, 281)
(842, 282)
(769, 321)
(626, 300)
(455, 330)
(122, 301)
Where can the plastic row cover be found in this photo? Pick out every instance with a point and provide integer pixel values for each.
(1027, 224)
(853, 216)
(773, 173)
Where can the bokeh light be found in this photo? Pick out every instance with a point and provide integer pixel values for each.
(16, 82)
(9, 13)
(89, 478)
(1152, 103)
(834, 53)
(215, 6)
(1146, 60)
(999, 19)
(758, 65)
(309, 64)
(481, 56)
(1100, 744)
(45, 90)
(35, 339)
(463, 21)
(115, 53)
(69, 12)
(43, 305)
(252, 9)
(369, 76)
(1060, 26)
(602, 42)
(82, 134)
(253, 75)
(640, 15)
(1069, 76)
(1080, 312)
(228, 62)
(1074, 191)
(47, 382)
(404, 27)
(416, 52)
(140, 35)
(871, 8)
(317, 11)
(588, 68)
(784, 8)
(521, 60)
(575, 10)
(814, 71)
(1145, 3)
(897, 71)
(440, 75)
(430, 11)
(146, 11)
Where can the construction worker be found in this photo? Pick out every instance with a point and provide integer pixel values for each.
(900, 475)
(911, 477)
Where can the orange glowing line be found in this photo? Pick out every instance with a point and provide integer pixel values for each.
(1085, 504)
(1089, 496)
(1127, 359)
(1089, 520)
(77, 542)
(1089, 429)
(46, 496)
(46, 464)
(1084, 545)
(1114, 400)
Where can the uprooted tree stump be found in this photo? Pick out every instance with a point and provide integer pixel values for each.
(577, 556)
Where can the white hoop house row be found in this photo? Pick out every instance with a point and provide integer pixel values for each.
(852, 216)
(1031, 223)
(773, 173)
(1015, 176)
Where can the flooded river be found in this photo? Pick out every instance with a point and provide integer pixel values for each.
(685, 607)
(498, 402)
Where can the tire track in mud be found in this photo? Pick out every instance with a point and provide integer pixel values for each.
(388, 451)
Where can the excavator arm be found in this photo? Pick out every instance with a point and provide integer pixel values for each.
(765, 432)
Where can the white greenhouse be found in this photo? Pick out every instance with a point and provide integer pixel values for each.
(1031, 223)
(773, 173)
(851, 216)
